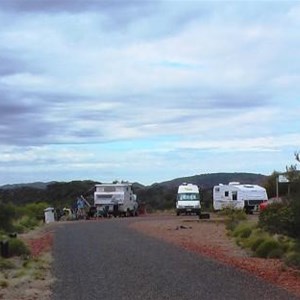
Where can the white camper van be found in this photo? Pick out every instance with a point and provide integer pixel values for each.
(188, 199)
(115, 199)
(239, 196)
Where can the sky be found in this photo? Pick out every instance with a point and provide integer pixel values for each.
(147, 91)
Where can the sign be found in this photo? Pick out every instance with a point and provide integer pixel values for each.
(283, 179)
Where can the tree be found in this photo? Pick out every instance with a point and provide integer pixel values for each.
(7, 213)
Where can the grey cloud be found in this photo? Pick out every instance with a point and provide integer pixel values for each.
(20, 123)
(36, 119)
(11, 65)
(196, 98)
(243, 100)
(73, 6)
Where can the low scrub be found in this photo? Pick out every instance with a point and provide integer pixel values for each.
(277, 218)
(17, 247)
(233, 217)
(6, 264)
(292, 259)
(268, 248)
(243, 230)
(282, 218)
(25, 224)
(265, 244)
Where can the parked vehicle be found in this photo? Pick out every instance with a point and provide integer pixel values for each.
(188, 199)
(238, 196)
(265, 204)
(115, 199)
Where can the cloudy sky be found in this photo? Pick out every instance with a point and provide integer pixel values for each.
(148, 90)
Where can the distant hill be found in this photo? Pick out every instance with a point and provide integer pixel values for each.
(202, 180)
(35, 185)
(156, 196)
(206, 181)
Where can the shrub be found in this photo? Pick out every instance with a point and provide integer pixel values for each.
(295, 228)
(292, 259)
(233, 217)
(242, 230)
(17, 247)
(256, 243)
(276, 253)
(36, 210)
(28, 222)
(7, 213)
(266, 247)
(4, 284)
(277, 218)
(6, 264)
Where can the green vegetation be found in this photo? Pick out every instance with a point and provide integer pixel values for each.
(273, 236)
(7, 213)
(17, 248)
(261, 243)
(6, 264)
(4, 284)
(233, 217)
(21, 219)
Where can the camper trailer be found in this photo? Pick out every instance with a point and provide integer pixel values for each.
(238, 196)
(188, 199)
(115, 199)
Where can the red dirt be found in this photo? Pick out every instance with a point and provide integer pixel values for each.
(41, 244)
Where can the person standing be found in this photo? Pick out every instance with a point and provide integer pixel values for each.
(80, 208)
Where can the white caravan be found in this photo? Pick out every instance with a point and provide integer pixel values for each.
(238, 196)
(115, 199)
(188, 199)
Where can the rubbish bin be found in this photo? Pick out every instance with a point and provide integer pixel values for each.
(49, 215)
(4, 248)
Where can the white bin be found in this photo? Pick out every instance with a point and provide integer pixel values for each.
(49, 215)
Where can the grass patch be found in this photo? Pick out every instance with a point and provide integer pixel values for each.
(6, 264)
(4, 284)
(292, 259)
(18, 248)
(268, 246)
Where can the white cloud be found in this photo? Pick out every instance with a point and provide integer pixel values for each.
(177, 85)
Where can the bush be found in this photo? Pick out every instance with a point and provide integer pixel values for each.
(28, 222)
(265, 248)
(276, 253)
(4, 284)
(36, 210)
(6, 264)
(295, 208)
(17, 247)
(293, 259)
(277, 218)
(256, 242)
(7, 213)
(242, 230)
(233, 217)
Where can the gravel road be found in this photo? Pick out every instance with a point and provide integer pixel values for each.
(107, 260)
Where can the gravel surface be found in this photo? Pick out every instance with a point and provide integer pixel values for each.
(106, 259)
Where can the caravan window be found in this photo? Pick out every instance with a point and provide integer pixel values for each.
(234, 195)
(109, 189)
(226, 193)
